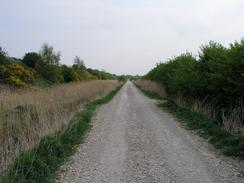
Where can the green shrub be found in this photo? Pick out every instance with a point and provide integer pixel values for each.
(48, 66)
(3, 56)
(103, 75)
(49, 72)
(3, 70)
(217, 76)
(69, 74)
(31, 59)
(16, 75)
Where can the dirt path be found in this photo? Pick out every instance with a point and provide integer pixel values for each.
(132, 140)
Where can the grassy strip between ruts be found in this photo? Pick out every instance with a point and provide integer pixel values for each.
(227, 143)
(41, 163)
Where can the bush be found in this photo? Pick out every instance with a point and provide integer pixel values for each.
(15, 81)
(16, 75)
(48, 67)
(51, 73)
(92, 77)
(3, 56)
(80, 68)
(101, 74)
(217, 75)
(31, 59)
(20, 72)
(215, 78)
(3, 70)
(69, 74)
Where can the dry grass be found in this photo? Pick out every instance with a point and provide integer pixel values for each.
(6, 89)
(232, 121)
(196, 106)
(151, 86)
(26, 117)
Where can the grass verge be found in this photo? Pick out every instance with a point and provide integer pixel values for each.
(41, 163)
(227, 143)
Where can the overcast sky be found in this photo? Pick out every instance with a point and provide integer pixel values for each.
(120, 36)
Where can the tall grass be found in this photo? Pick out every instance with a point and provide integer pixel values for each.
(231, 120)
(196, 116)
(151, 86)
(28, 116)
(40, 164)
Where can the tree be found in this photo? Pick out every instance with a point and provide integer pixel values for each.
(3, 56)
(79, 64)
(31, 59)
(48, 67)
(49, 56)
(80, 68)
(51, 73)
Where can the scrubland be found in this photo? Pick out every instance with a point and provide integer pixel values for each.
(26, 117)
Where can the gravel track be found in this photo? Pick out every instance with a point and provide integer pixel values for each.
(132, 140)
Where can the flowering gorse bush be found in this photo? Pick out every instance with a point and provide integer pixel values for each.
(16, 75)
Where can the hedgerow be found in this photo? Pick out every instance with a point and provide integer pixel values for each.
(215, 76)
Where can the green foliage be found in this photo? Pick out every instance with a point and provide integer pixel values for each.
(49, 56)
(122, 78)
(215, 65)
(69, 74)
(42, 83)
(16, 75)
(217, 76)
(92, 77)
(3, 70)
(31, 59)
(102, 75)
(49, 72)
(41, 163)
(79, 64)
(80, 68)
(3, 56)
(45, 67)
(15, 81)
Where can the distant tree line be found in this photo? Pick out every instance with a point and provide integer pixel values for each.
(45, 67)
(215, 76)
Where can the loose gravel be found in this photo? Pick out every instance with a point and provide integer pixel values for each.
(134, 141)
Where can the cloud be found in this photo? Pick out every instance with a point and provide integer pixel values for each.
(118, 36)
